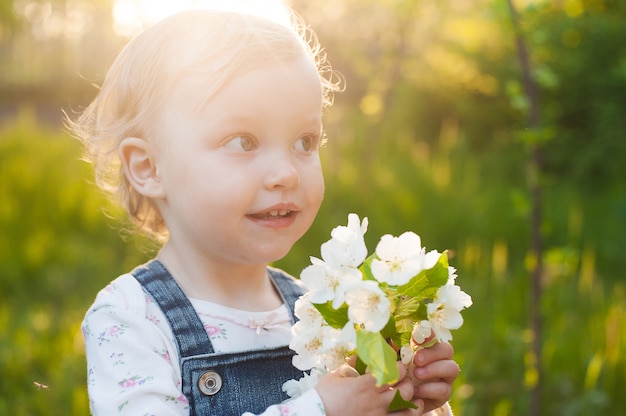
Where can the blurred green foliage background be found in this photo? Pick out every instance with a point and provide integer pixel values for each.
(430, 136)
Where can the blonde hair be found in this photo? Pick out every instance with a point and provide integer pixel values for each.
(219, 45)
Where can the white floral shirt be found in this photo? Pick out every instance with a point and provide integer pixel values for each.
(132, 358)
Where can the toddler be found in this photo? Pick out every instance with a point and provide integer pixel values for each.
(207, 128)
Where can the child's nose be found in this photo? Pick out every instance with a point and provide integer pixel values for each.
(281, 173)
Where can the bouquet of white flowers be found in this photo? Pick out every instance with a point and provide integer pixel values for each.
(390, 304)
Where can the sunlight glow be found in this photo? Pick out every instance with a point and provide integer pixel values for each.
(132, 16)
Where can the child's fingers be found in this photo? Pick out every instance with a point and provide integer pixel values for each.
(402, 376)
(444, 370)
(346, 370)
(439, 351)
(434, 391)
(405, 387)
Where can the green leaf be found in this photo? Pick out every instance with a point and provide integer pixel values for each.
(337, 318)
(379, 356)
(366, 269)
(390, 329)
(406, 323)
(398, 403)
(406, 317)
(426, 283)
(408, 312)
(360, 366)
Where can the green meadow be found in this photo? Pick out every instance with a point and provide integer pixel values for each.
(431, 135)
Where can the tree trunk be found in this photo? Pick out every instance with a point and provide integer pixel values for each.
(530, 89)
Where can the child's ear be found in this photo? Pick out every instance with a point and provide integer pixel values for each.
(140, 168)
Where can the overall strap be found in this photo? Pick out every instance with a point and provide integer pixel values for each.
(189, 333)
(290, 289)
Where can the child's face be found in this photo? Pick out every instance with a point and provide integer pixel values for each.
(242, 175)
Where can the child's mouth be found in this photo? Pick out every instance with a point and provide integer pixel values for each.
(274, 214)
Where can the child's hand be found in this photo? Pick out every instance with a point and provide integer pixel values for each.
(359, 396)
(434, 371)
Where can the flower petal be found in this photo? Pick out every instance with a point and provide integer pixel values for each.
(368, 306)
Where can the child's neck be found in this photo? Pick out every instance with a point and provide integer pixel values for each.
(245, 287)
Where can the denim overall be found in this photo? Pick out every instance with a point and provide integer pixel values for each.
(221, 384)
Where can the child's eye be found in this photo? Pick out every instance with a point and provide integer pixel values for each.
(240, 143)
(306, 144)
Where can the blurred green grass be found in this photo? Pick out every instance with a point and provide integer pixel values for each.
(58, 248)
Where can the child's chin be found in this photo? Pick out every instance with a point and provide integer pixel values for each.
(278, 257)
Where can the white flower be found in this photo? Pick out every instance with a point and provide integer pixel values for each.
(306, 312)
(296, 388)
(328, 283)
(399, 258)
(339, 344)
(443, 318)
(329, 277)
(444, 313)
(347, 245)
(322, 347)
(307, 342)
(453, 297)
(451, 275)
(422, 330)
(430, 259)
(307, 351)
(368, 306)
(406, 354)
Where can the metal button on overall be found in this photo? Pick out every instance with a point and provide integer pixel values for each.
(210, 383)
